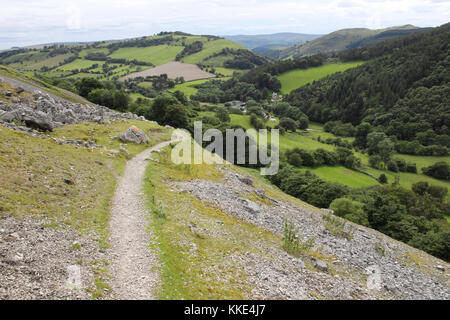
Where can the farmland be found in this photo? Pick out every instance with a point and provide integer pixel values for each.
(366, 176)
(296, 78)
(115, 59)
(174, 70)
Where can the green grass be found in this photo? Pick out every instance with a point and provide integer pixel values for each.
(209, 48)
(226, 71)
(308, 140)
(79, 64)
(11, 73)
(33, 172)
(345, 176)
(206, 271)
(156, 55)
(187, 87)
(296, 78)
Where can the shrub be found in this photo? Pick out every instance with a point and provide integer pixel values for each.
(411, 167)
(291, 241)
(350, 210)
(392, 166)
(288, 124)
(382, 179)
(439, 170)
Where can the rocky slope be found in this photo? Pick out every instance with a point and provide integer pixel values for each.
(56, 188)
(345, 261)
(44, 111)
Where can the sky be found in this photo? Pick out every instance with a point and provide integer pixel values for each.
(28, 22)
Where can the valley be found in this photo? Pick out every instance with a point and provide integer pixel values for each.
(93, 205)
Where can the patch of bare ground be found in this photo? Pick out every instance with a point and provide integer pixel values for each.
(173, 70)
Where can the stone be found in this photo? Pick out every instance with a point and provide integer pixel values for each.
(251, 206)
(440, 268)
(133, 134)
(74, 277)
(321, 265)
(122, 149)
(373, 277)
(7, 93)
(68, 181)
(19, 90)
(38, 120)
(245, 179)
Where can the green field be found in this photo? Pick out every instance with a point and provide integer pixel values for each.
(296, 78)
(163, 50)
(79, 64)
(188, 87)
(308, 140)
(209, 48)
(345, 176)
(156, 55)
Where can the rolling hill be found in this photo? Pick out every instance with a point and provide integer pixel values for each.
(345, 39)
(271, 45)
(109, 60)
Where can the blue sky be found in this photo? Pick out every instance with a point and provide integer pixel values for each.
(28, 22)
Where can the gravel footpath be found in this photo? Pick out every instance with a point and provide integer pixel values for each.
(132, 268)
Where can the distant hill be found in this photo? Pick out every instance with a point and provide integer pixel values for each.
(403, 88)
(115, 59)
(270, 45)
(346, 39)
(283, 39)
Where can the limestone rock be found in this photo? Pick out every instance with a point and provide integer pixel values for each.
(133, 134)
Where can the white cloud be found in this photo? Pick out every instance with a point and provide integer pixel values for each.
(73, 20)
(39, 21)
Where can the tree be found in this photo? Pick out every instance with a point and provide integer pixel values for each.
(294, 159)
(361, 133)
(181, 97)
(378, 143)
(382, 179)
(121, 100)
(159, 106)
(352, 162)
(222, 114)
(176, 116)
(374, 161)
(439, 170)
(288, 124)
(350, 210)
(86, 85)
(303, 123)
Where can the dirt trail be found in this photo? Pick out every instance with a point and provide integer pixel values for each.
(132, 268)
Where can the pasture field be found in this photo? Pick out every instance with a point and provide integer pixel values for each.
(345, 176)
(187, 87)
(79, 64)
(209, 48)
(296, 78)
(226, 71)
(308, 140)
(156, 55)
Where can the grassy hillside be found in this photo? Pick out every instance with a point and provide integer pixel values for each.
(112, 60)
(20, 79)
(296, 78)
(344, 39)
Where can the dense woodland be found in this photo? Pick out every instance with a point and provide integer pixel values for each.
(403, 90)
